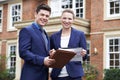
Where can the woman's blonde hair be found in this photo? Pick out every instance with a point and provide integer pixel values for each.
(69, 11)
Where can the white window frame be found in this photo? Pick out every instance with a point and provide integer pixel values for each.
(108, 55)
(83, 7)
(9, 44)
(10, 21)
(108, 34)
(107, 15)
(58, 4)
(1, 17)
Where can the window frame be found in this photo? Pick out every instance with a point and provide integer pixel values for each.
(108, 52)
(10, 27)
(107, 15)
(8, 66)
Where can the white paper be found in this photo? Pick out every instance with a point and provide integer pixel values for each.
(78, 56)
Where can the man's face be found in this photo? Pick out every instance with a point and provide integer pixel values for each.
(42, 17)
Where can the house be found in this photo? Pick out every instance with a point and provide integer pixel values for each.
(99, 19)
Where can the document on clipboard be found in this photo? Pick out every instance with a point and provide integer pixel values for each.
(78, 56)
(62, 57)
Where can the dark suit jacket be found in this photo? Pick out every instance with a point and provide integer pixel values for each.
(33, 51)
(77, 39)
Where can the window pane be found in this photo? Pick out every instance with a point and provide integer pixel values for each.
(77, 11)
(116, 62)
(116, 48)
(111, 42)
(111, 4)
(81, 10)
(117, 10)
(77, 4)
(117, 56)
(116, 41)
(111, 48)
(111, 56)
(111, 62)
(116, 4)
(81, 4)
(111, 11)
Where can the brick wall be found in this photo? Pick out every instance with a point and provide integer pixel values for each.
(29, 7)
(97, 35)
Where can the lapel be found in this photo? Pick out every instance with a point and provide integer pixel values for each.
(58, 39)
(72, 38)
(39, 33)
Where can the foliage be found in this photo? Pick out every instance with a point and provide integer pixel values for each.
(4, 73)
(91, 72)
(112, 74)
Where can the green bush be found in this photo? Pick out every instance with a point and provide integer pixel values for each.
(91, 72)
(5, 73)
(112, 74)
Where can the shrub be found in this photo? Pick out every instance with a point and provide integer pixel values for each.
(91, 72)
(112, 74)
(5, 73)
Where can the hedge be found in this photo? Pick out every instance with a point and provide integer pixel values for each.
(112, 74)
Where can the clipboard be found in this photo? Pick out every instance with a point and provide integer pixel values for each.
(61, 57)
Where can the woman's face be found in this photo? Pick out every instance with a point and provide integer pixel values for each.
(67, 20)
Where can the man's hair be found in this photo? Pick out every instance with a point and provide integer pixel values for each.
(43, 7)
(69, 11)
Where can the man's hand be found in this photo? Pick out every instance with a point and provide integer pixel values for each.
(48, 61)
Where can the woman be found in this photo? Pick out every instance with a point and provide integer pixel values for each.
(68, 37)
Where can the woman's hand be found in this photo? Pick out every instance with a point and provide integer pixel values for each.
(83, 52)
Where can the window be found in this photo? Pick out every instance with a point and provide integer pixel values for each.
(88, 52)
(12, 58)
(112, 9)
(15, 14)
(1, 12)
(114, 52)
(76, 5)
(87, 61)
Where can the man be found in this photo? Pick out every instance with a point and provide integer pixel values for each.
(34, 46)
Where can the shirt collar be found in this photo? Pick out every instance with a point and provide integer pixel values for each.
(38, 26)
